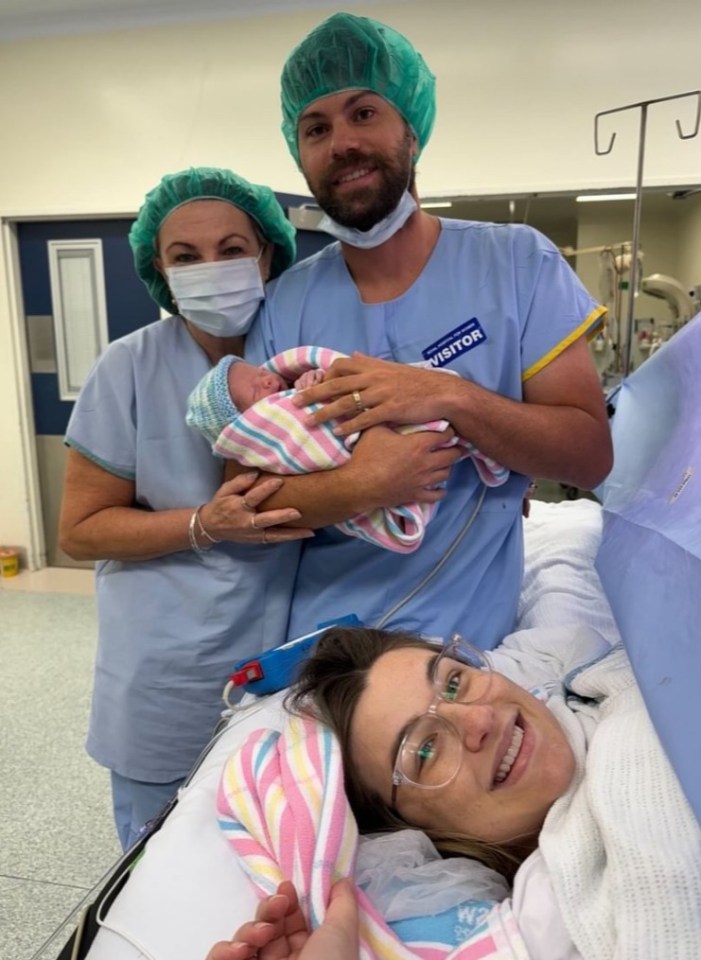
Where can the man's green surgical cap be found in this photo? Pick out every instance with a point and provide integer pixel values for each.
(206, 183)
(347, 52)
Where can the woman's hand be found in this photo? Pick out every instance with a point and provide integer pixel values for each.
(232, 513)
(279, 931)
(363, 392)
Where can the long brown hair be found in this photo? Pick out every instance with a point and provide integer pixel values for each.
(329, 686)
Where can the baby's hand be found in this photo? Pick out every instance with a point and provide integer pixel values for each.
(279, 931)
(309, 379)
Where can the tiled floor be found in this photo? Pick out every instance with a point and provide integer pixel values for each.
(52, 580)
(56, 833)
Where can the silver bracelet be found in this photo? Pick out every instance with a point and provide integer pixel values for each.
(192, 536)
(204, 533)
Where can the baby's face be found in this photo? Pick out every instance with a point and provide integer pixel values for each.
(248, 384)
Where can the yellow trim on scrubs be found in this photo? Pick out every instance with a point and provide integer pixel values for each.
(589, 326)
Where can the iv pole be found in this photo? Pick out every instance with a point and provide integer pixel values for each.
(643, 106)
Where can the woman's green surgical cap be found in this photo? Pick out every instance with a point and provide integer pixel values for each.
(347, 52)
(206, 183)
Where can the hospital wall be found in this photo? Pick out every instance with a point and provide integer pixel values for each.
(90, 122)
(689, 242)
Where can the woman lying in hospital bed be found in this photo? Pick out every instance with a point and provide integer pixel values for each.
(189, 889)
(539, 764)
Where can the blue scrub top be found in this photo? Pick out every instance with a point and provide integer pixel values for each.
(170, 629)
(495, 303)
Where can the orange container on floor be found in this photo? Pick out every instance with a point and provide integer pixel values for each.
(9, 562)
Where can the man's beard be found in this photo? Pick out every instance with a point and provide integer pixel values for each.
(367, 206)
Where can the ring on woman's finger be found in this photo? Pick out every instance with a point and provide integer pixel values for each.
(247, 506)
(358, 400)
(253, 520)
(265, 536)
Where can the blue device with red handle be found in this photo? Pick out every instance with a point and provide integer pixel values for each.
(277, 668)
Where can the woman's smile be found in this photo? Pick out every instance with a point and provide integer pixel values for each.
(513, 735)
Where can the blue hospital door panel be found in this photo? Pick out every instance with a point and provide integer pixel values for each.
(129, 306)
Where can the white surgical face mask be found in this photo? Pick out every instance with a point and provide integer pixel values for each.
(382, 231)
(220, 297)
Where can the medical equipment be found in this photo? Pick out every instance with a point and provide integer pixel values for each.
(673, 293)
(615, 287)
(277, 668)
(643, 105)
(681, 306)
(615, 293)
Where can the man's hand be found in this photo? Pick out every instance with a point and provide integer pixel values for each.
(363, 391)
(393, 468)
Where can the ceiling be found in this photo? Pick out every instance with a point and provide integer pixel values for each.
(37, 18)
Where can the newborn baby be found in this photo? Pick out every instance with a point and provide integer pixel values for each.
(247, 414)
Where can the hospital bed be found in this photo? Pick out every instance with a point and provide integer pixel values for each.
(187, 890)
(637, 558)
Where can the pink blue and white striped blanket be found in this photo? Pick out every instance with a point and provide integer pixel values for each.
(271, 435)
(282, 807)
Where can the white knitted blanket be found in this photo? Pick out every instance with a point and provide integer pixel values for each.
(622, 846)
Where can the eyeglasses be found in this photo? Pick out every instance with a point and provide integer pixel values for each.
(430, 751)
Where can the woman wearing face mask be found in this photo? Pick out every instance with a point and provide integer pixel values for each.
(190, 575)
